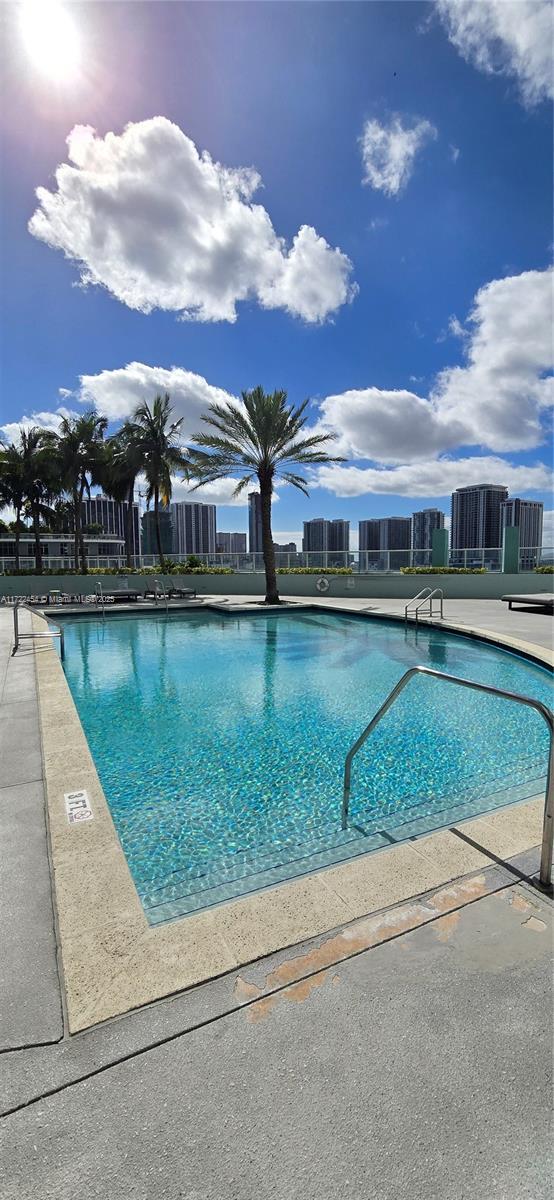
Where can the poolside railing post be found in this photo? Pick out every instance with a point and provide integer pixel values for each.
(15, 627)
(545, 872)
(545, 875)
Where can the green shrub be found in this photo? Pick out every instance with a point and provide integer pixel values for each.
(182, 568)
(443, 570)
(314, 570)
(544, 570)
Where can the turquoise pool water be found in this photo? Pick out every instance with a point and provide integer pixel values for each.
(220, 741)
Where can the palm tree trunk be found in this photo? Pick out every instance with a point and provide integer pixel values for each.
(76, 527)
(157, 524)
(82, 550)
(17, 535)
(271, 593)
(38, 547)
(129, 523)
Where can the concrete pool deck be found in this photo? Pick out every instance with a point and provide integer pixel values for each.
(404, 1054)
(112, 960)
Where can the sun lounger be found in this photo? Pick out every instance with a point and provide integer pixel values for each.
(182, 592)
(537, 599)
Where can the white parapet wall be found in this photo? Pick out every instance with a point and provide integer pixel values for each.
(490, 586)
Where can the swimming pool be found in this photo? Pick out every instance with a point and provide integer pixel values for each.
(220, 741)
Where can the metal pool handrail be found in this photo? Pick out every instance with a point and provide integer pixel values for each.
(100, 597)
(426, 594)
(18, 637)
(545, 712)
(162, 585)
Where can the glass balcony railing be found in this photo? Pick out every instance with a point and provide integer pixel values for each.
(359, 562)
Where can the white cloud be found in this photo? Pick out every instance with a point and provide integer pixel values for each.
(160, 225)
(117, 393)
(496, 400)
(43, 420)
(454, 152)
(432, 478)
(506, 38)
(282, 537)
(501, 391)
(220, 492)
(389, 152)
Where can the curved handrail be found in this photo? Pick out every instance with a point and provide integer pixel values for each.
(162, 585)
(545, 712)
(18, 637)
(425, 595)
(426, 591)
(99, 593)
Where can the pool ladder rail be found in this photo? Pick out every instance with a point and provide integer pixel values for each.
(427, 594)
(545, 877)
(159, 583)
(18, 637)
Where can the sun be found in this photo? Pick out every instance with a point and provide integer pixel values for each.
(51, 39)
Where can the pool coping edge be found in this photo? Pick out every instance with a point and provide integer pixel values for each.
(114, 961)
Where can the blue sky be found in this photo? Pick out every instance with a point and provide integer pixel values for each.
(414, 308)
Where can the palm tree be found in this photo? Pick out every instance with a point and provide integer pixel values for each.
(260, 439)
(81, 459)
(11, 488)
(156, 439)
(123, 464)
(40, 479)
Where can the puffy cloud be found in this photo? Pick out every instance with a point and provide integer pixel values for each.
(160, 225)
(44, 420)
(502, 37)
(220, 492)
(389, 152)
(117, 393)
(387, 426)
(496, 399)
(500, 392)
(433, 478)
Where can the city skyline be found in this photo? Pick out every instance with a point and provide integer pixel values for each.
(385, 262)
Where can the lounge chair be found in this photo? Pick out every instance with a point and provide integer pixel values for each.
(534, 599)
(182, 592)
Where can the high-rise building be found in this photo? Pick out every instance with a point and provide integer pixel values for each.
(149, 539)
(369, 534)
(194, 527)
(476, 519)
(315, 536)
(230, 543)
(339, 535)
(395, 534)
(424, 523)
(255, 539)
(110, 516)
(381, 534)
(528, 515)
(320, 534)
(284, 548)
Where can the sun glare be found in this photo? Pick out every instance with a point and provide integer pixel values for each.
(51, 39)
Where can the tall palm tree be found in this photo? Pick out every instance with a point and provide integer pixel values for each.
(40, 479)
(260, 439)
(12, 491)
(157, 439)
(81, 459)
(123, 464)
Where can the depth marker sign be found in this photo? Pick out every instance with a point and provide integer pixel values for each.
(77, 806)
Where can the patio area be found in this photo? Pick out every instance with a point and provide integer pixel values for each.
(326, 1066)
